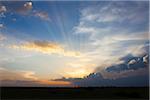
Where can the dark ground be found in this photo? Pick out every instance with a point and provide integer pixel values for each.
(74, 93)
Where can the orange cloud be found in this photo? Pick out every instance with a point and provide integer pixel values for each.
(30, 75)
(26, 78)
(56, 83)
(6, 74)
(46, 48)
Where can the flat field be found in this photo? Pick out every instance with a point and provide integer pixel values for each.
(9, 93)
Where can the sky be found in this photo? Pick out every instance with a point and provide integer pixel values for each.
(69, 43)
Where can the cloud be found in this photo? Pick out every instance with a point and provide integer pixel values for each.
(30, 75)
(107, 54)
(25, 8)
(111, 32)
(24, 83)
(78, 70)
(97, 80)
(25, 78)
(104, 20)
(46, 48)
(132, 75)
(2, 37)
(124, 37)
(125, 65)
(128, 58)
(16, 75)
(130, 63)
(28, 5)
(105, 14)
(2, 8)
(2, 11)
(114, 12)
(84, 30)
(42, 15)
(38, 83)
(146, 59)
(117, 39)
(1, 26)
(125, 73)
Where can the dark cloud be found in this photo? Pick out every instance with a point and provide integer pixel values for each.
(96, 80)
(130, 63)
(68, 79)
(117, 68)
(133, 72)
(127, 58)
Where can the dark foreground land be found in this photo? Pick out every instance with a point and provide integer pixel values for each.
(74, 93)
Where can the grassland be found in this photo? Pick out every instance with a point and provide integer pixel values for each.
(75, 93)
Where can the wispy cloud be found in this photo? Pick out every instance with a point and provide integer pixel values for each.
(27, 83)
(7, 74)
(25, 78)
(112, 28)
(132, 71)
(105, 33)
(47, 48)
(115, 12)
(2, 11)
(1, 26)
(2, 37)
(42, 15)
(30, 75)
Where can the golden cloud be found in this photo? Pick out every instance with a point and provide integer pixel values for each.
(46, 48)
(55, 83)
